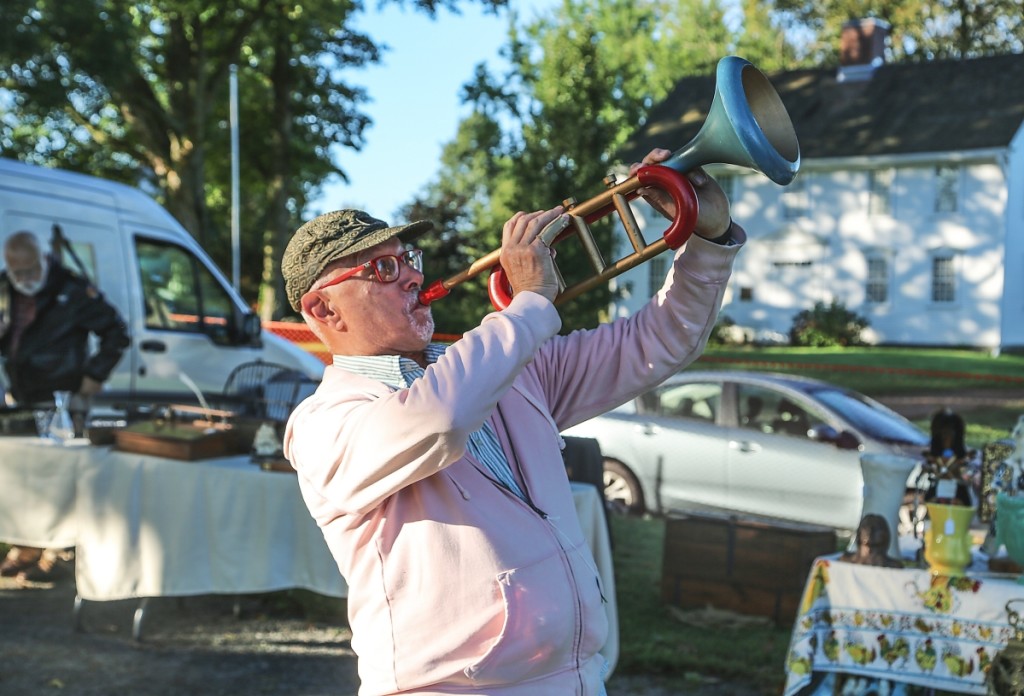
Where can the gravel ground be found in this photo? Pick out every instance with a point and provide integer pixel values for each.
(198, 646)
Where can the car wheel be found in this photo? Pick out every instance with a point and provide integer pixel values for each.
(912, 515)
(622, 491)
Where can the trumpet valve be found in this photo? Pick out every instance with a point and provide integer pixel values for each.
(569, 203)
(610, 181)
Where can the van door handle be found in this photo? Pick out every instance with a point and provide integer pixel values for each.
(153, 346)
(744, 446)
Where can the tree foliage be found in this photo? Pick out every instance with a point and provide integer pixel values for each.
(138, 92)
(580, 81)
(921, 29)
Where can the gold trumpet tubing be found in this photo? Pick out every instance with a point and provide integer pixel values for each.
(629, 222)
(484, 263)
(616, 199)
(617, 268)
(586, 238)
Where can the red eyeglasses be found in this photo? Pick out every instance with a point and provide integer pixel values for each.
(386, 268)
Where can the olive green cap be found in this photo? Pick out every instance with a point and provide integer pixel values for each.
(328, 237)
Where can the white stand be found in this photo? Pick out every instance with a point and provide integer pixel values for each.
(885, 483)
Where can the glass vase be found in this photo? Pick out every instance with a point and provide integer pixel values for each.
(947, 542)
(1010, 527)
(885, 483)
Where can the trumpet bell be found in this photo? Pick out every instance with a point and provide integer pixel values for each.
(747, 125)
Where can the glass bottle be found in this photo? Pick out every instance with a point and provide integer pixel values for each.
(61, 427)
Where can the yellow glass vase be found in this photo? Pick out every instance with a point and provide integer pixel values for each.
(947, 543)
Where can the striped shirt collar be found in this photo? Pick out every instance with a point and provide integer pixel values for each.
(393, 370)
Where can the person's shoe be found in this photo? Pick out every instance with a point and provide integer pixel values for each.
(16, 563)
(43, 571)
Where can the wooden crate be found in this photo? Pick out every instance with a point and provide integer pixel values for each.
(177, 441)
(751, 566)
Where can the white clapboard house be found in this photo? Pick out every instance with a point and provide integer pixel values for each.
(908, 208)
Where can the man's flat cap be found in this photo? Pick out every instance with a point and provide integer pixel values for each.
(327, 238)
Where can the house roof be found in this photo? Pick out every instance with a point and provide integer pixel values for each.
(935, 106)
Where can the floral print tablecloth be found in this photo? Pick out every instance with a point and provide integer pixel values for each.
(899, 624)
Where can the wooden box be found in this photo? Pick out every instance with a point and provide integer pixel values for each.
(174, 441)
(751, 566)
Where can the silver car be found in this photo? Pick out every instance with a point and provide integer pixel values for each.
(747, 442)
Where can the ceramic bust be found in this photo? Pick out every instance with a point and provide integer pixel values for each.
(872, 544)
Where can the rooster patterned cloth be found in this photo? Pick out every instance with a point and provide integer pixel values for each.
(903, 625)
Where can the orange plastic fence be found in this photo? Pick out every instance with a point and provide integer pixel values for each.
(300, 335)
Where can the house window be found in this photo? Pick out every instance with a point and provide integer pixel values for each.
(877, 288)
(658, 270)
(947, 188)
(880, 191)
(943, 278)
(795, 202)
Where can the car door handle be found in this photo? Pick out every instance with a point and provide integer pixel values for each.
(744, 446)
(153, 346)
(648, 429)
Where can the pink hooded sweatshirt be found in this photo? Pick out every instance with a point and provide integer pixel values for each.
(456, 585)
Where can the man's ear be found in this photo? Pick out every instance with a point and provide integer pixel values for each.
(324, 312)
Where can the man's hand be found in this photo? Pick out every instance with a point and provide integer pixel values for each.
(528, 261)
(89, 387)
(712, 206)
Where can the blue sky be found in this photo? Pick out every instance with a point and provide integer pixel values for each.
(415, 100)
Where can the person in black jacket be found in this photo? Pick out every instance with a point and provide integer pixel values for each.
(47, 314)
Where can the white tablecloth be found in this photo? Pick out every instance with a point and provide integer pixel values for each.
(151, 527)
(37, 491)
(155, 527)
(904, 625)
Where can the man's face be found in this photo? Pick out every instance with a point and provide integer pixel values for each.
(26, 268)
(381, 318)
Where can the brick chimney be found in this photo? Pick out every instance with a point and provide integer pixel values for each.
(862, 48)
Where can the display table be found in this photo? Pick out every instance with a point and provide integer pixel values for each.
(902, 625)
(37, 491)
(153, 527)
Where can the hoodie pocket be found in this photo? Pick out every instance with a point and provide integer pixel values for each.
(544, 624)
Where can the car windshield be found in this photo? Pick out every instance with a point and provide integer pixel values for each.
(870, 417)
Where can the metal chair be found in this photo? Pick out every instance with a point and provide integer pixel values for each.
(266, 390)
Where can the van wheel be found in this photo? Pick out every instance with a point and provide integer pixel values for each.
(622, 491)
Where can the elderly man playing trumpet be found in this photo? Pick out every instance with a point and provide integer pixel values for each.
(435, 471)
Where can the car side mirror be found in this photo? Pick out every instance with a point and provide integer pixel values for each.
(823, 432)
(847, 441)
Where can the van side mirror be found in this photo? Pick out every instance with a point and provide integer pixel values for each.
(249, 329)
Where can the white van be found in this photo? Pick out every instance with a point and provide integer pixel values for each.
(185, 321)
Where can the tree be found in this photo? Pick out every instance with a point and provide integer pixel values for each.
(138, 92)
(921, 29)
(761, 39)
(580, 82)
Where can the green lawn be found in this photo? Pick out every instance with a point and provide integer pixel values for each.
(655, 639)
(877, 371)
